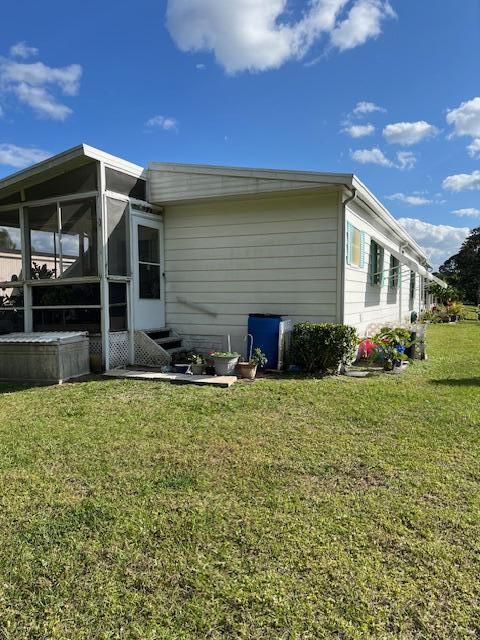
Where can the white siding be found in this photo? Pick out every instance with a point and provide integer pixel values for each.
(226, 259)
(367, 304)
(169, 183)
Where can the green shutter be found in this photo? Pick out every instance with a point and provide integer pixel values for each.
(381, 260)
(362, 249)
(372, 263)
(349, 242)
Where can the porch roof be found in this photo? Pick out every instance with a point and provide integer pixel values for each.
(70, 158)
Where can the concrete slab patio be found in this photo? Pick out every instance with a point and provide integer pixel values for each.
(173, 378)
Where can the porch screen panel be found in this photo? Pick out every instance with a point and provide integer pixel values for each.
(117, 217)
(13, 198)
(80, 180)
(79, 239)
(10, 247)
(11, 309)
(125, 184)
(44, 235)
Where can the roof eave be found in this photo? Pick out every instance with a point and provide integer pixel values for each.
(375, 204)
(69, 155)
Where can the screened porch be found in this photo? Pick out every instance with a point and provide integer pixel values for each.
(66, 256)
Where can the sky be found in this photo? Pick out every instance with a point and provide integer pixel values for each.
(389, 91)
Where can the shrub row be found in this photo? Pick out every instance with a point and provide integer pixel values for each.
(321, 348)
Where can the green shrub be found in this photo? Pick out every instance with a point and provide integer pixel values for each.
(323, 347)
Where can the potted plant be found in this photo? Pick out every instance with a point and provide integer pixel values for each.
(197, 364)
(225, 362)
(248, 369)
(391, 345)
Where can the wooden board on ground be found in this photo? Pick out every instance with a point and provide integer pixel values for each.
(172, 378)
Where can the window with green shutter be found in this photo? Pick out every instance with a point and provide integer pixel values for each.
(376, 263)
(393, 276)
(355, 246)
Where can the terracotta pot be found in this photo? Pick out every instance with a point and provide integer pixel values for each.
(247, 370)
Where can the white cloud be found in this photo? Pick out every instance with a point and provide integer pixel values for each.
(163, 122)
(359, 130)
(20, 157)
(413, 200)
(474, 148)
(42, 101)
(33, 83)
(362, 108)
(22, 50)
(408, 133)
(371, 156)
(200, 66)
(469, 212)
(465, 119)
(462, 181)
(364, 21)
(439, 241)
(256, 35)
(405, 159)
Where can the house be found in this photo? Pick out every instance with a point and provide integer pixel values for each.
(154, 260)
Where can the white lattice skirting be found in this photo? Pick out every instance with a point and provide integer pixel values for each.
(118, 347)
(148, 352)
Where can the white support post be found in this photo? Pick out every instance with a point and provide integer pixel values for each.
(27, 290)
(130, 289)
(103, 266)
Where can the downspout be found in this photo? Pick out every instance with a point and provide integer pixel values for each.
(342, 252)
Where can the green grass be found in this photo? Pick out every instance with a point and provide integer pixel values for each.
(292, 509)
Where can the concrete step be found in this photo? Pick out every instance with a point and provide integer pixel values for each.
(169, 343)
(158, 334)
(176, 350)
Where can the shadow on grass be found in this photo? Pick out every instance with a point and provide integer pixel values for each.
(13, 387)
(458, 382)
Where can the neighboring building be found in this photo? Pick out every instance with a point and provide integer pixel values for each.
(120, 250)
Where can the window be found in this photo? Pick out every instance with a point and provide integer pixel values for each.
(394, 272)
(376, 263)
(412, 287)
(355, 246)
(149, 262)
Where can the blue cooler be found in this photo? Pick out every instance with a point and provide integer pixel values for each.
(265, 330)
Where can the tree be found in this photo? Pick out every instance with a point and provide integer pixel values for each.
(5, 240)
(462, 271)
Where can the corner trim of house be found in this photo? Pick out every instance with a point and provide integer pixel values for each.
(340, 259)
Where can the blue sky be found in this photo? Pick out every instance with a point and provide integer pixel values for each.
(389, 91)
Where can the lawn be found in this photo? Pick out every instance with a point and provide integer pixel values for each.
(293, 509)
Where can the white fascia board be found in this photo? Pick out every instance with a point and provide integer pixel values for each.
(114, 162)
(248, 172)
(374, 203)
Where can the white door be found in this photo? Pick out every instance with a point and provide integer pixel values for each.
(147, 269)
